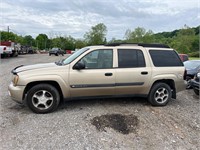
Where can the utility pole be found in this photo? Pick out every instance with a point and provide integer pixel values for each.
(8, 29)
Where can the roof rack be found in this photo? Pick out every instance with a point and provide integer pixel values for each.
(157, 45)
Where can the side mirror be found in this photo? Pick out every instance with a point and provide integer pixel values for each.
(79, 66)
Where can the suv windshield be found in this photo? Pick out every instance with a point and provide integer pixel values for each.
(55, 49)
(75, 55)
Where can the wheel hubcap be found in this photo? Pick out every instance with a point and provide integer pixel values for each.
(42, 99)
(161, 95)
(188, 84)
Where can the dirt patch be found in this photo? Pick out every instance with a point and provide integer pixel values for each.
(124, 124)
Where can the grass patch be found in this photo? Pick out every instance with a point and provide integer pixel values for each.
(194, 58)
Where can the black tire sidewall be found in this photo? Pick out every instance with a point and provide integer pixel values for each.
(155, 87)
(47, 87)
(196, 91)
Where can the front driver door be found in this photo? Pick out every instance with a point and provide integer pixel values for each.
(97, 78)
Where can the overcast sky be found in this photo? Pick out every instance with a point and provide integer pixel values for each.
(68, 17)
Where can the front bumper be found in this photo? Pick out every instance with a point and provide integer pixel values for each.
(16, 92)
(195, 84)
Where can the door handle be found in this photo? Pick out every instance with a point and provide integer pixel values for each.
(108, 74)
(144, 72)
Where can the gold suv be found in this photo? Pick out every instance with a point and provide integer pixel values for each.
(154, 71)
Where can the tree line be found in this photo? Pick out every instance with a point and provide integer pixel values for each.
(185, 40)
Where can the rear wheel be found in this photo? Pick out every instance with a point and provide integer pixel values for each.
(160, 94)
(43, 98)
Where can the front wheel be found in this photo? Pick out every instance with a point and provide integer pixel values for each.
(188, 79)
(43, 98)
(196, 91)
(160, 94)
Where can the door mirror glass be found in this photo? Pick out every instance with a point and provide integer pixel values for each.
(79, 66)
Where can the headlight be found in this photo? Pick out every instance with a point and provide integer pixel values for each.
(15, 80)
(198, 75)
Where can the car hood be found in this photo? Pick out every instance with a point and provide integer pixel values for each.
(191, 71)
(32, 67)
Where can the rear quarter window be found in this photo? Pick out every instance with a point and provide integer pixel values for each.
(165, 58)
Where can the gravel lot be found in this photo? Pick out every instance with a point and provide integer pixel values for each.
(94, 124)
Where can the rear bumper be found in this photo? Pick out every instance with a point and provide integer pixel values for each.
(181, 85)
(16, 92)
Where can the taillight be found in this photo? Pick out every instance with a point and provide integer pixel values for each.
(4, 48)
(185, 74)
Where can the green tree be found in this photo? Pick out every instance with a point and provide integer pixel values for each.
(185, 40)
(139, 35)
(80, 43)
(28, 40)
(96, 35)
(41, 41)
(8, 36)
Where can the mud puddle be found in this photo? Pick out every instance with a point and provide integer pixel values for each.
(124, 124)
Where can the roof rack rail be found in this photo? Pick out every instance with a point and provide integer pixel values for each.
(157, 45)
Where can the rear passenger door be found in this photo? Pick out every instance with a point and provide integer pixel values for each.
(132, 73)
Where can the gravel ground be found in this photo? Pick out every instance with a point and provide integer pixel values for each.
(94, 124)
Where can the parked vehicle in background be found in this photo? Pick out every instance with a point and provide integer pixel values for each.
(70, 51)
(11, 49)
(5, 51)
(184, 57)
(56, 51)
(26, 50)
(195, 83)
(192, 67)
(154, 71)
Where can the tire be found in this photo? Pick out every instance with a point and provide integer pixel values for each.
(56, 54)
(49, 54)
(196, 91)
(43, 98)
(160, 94)
(188, 79)
(15, 54)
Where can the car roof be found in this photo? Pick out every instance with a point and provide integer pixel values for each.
(135, 46)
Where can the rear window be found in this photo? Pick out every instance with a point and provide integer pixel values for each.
(165, 58)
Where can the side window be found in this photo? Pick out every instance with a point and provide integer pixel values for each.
(185, 57)
(98, 59)
(130, 58)
(165, 58)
